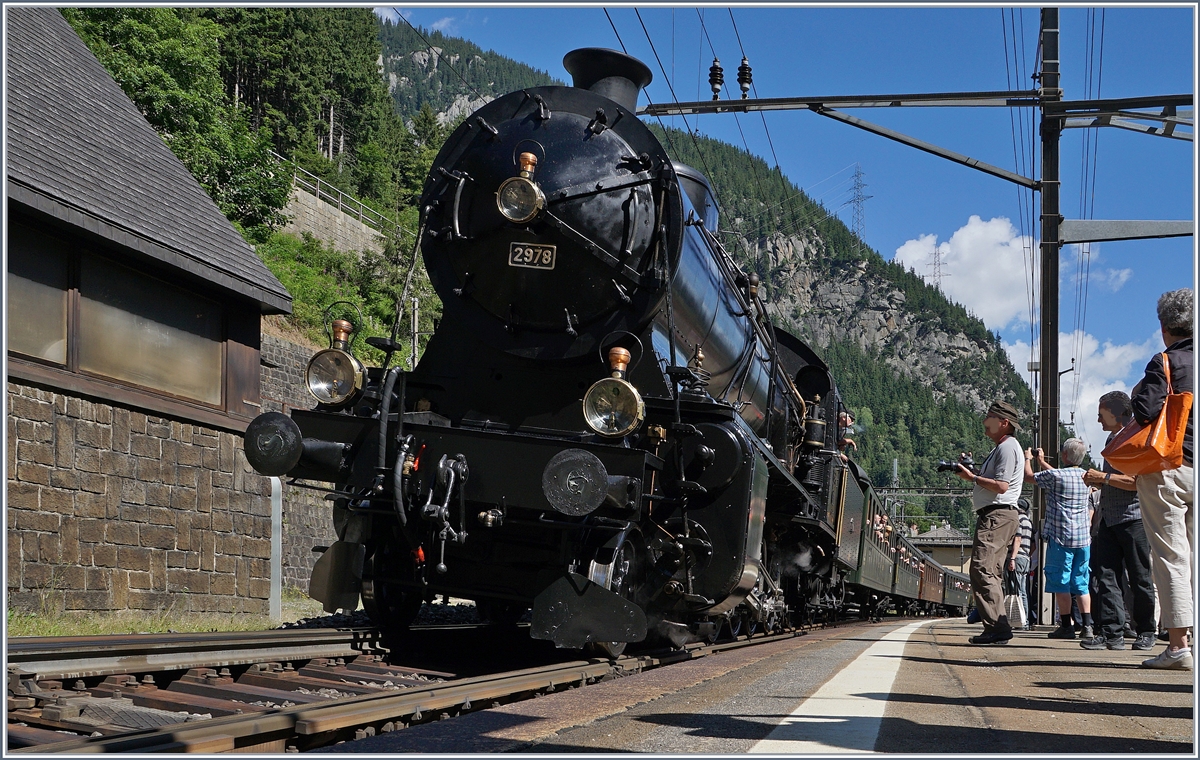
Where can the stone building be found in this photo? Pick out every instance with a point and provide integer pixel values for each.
(948, 546)
(133, 356)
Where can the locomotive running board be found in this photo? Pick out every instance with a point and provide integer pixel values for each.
(573, 612)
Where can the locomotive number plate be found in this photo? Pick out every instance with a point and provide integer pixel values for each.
(531, 256)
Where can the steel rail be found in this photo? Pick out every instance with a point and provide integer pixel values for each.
(71, 657)
(236, 732)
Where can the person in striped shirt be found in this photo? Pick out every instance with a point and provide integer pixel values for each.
(1067, 532)
(1018, 558)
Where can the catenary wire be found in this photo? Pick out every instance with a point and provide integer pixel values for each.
(761, 115)
(737, 119)
(695, 142)
(1012, 69)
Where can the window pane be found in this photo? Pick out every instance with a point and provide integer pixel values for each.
(144, 331)
(37, 294)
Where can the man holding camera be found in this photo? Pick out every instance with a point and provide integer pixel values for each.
(997, 488)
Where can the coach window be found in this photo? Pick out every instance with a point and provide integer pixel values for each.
(37, 295)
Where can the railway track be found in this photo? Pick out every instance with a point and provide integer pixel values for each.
(273, 691)
(74, 657)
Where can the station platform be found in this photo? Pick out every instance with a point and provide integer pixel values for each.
(901, 686)
(1033, 695)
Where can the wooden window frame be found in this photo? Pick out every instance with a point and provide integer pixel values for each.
(240, 396)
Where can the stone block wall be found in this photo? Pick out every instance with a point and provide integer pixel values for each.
(110, 508)
(307, 516)
(329, 224)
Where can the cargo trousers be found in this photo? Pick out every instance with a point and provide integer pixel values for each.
(995, 526)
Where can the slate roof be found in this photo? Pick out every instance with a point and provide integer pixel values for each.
(941, 536)
(80, 150)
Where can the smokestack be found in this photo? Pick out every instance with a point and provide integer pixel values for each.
(609, 73)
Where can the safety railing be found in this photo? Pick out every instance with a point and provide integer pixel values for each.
(344, 202)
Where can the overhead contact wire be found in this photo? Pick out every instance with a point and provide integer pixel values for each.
(762, 116)
(737, 120)
(695, 143)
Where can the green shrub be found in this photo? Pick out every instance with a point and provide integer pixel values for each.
(317, 276)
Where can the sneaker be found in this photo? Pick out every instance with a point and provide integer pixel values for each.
(1164, 636)
(1087, 633)
(1180, 659)
(991, 638)
(1099, 642)
(1129, 633)
(1144, 642)
(1062, 632)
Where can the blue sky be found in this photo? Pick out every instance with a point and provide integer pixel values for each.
(919, 202)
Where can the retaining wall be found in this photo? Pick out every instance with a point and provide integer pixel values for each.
(110, 508)
(329, 224)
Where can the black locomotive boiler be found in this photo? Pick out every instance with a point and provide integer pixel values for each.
(604, 427)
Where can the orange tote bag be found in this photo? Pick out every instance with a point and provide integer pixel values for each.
(1141, 449)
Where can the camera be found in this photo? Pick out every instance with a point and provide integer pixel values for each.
(946, 466)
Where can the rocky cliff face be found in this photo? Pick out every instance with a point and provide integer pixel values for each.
(425, 65)
(855, 305)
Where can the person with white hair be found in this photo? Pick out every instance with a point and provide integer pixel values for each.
(1067, 532)
(1166, 497)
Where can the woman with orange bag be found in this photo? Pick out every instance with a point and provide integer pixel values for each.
(1166, 496)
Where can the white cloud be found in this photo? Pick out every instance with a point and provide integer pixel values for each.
(1088, 259)
(443, 25)
(1098, 370)
(1115, 279)
(984, 268)
(392, 13)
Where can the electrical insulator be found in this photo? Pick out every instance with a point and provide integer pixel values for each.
(745, 77)
(716, 78)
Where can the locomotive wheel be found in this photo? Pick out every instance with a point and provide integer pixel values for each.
(752, 627)
(624, 575)
(389, 605)
(734, 624)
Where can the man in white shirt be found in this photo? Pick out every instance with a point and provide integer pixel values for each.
(997, 488)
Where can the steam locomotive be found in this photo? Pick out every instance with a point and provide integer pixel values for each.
(605, 426)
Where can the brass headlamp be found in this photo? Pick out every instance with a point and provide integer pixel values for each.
(612, 406)
(333, 376)
(519, 198)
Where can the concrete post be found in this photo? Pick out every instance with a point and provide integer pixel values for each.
(276, 604)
